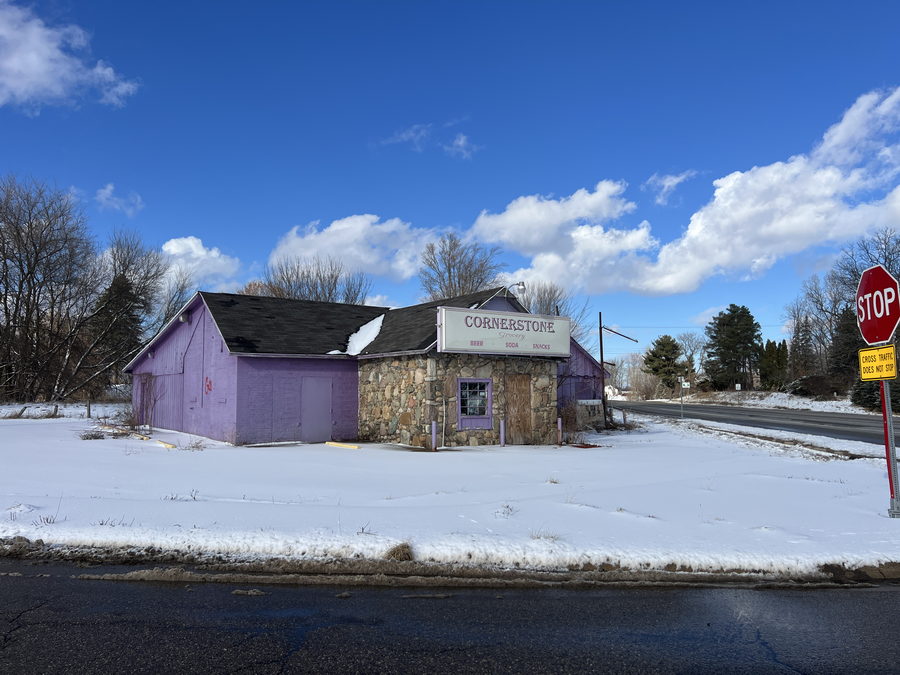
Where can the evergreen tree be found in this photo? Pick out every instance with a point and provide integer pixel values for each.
(773, 365)
(115, 333)
(662, 360)
(843, 355)
(868, 395)
(734, 343)
(802, 352)
(783, 360)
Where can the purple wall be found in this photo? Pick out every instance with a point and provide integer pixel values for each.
(271, 405)
(499, 304)
(579, 377)
(187, 382)
(190, 382)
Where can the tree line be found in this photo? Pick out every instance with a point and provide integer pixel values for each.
(72, 313)
(819, 357)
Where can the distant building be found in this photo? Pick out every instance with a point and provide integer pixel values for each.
(248, 369)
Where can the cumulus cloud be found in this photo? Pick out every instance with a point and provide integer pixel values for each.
(207, 266)
(665, 185)
(42, 64)
(534, 224)
(844, 187)
(362, 242)
(107, 200)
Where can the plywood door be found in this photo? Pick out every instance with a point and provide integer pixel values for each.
(315, 409)
(518, 409)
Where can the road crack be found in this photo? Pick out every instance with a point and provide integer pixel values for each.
(14, 624)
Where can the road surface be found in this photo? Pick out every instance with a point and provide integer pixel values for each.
(847, 426)
(61, 624)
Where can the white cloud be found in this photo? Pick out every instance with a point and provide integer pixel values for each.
(41, 64)
(535, 224)
(379, 300)
(666, 184)
(129, 205)
(842, 189)
(416, 135)
(209, 267)
(362, 242)
(704, 317)
(845, 187)
(461, 147)
(421, 137)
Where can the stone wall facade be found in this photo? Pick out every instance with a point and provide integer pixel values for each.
(400, 396)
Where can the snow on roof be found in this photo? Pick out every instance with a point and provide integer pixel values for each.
(363, 337)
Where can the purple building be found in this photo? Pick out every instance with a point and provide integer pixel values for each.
(248, 369)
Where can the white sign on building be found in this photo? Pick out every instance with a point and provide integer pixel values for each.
(483, 331)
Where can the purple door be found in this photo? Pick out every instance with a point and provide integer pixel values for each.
(315, 409)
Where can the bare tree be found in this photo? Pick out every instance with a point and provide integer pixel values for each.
(144, 267)
(692, 346)
(882, 247)
(451, 267)
(47, 261)
(254, 287)
(175, 292)
(618, 374)
(548, 297)
(70, 317)
(824, 300)
(321, 279)
(642, 384)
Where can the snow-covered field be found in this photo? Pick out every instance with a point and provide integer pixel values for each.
(669, 493)
(773, 399)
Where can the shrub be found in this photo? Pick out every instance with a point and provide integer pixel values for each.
(868, 395)
(815, 385)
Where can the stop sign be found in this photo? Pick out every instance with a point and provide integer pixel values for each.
(877, 305)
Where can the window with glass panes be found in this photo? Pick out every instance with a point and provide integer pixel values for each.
(474, 404)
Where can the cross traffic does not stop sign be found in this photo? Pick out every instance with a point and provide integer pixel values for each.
(877, 305)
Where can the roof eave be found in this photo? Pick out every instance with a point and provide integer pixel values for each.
(162, 331)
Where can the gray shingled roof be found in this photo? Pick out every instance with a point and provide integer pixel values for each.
(254, 324)
(414, 328)
(258, 325)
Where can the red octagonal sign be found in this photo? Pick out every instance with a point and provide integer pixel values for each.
(877, 305)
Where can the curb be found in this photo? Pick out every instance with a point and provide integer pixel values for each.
(197, 567)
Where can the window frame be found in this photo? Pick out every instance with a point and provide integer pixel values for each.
(474, 421)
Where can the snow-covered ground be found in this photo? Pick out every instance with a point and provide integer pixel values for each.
(670, 493)
(772, 399)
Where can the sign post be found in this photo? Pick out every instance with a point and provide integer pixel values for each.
(877, 315)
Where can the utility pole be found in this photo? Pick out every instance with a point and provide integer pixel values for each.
(603, 375)
(603, 364)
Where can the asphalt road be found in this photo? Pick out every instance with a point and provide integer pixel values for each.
(57, 623)
(853, 427)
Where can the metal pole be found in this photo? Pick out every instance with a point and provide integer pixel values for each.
(681, 386)
(890, 448)
(602, 374)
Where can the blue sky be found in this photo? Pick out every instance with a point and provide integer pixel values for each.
(660, 159)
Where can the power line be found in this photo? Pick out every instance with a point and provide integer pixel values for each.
(695, 326)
